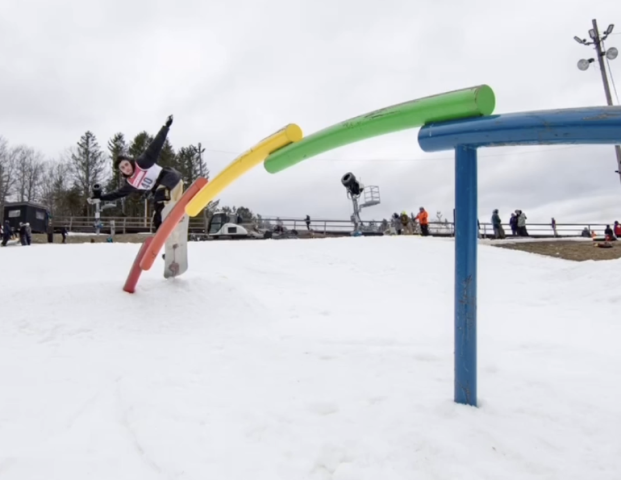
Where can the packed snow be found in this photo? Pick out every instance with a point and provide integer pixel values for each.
(305, 359)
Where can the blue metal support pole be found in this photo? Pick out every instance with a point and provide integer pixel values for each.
(577, 126)
(466, 239)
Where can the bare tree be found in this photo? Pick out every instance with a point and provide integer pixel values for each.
(56, 189)
(29, 169)
(7, 172)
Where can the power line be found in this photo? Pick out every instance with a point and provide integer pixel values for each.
(427, 158)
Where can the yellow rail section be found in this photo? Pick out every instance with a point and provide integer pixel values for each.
(246, 161)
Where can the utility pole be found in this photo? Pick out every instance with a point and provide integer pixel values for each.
(202, 174)
(200, 159)
(610, 54)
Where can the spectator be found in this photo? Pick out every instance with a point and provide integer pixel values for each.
(609, 234)
(396, 223)
(513, 224)
(22, 233)
(617, 229)
(497, 224)
(7, 233)
(423, 220)
(28, 233)
(405, 223)
(554, 227)
(521, 223)
(307, 220)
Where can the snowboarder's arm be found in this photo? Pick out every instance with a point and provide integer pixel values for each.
(122, 192)
(152, 153)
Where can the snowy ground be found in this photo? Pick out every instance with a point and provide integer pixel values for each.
(309, 359)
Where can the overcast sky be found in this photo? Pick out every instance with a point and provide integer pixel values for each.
(235, 71)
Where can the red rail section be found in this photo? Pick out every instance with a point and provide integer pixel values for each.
(152, 245)
(134, 273)
(170, 223)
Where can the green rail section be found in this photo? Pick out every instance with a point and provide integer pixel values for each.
(469, 102)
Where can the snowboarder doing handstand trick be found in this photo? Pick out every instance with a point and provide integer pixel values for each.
(145, 175)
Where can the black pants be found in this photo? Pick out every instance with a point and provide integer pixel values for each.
(424, 230)
(157, 215)
(160, 197)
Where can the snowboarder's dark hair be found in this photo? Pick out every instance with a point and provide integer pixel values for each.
(122, 157)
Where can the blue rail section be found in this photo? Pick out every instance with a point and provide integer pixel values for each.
(585, 126)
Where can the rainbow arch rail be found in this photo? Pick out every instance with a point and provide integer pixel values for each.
(593, 125)
(468, 102)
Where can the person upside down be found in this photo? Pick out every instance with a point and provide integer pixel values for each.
(144, 175)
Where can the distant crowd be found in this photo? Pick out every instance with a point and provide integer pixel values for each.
(410, 224)
(517, 223)
(23, 231)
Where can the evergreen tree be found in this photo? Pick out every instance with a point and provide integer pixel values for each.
(74, 201)
(246, 214)
(191, 165)
(201, 166)
(116, 146)
(185, 158)
(139, 144)
(167, 157)
(135, 205)
(88, 164)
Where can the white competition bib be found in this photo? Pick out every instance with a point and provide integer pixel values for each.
(144, 179)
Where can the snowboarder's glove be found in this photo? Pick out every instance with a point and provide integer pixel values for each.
(93, 201)
(169, 121)
(146, 196)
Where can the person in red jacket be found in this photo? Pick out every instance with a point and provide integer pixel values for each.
(617, 229)
(423, 220)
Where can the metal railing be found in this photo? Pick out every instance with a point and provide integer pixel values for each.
(198, 225)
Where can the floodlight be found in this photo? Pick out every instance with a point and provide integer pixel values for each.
(593, 34)
(612, 53)
(579, 40)
(610, 29)
(584, 64)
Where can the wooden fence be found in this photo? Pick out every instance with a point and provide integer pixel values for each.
(198, 226)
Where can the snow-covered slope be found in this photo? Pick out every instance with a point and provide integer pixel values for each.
(310, 359)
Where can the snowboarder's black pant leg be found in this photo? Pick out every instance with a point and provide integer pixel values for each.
(161, 197)
(157, 215)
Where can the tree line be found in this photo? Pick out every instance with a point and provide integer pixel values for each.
(62, 185)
